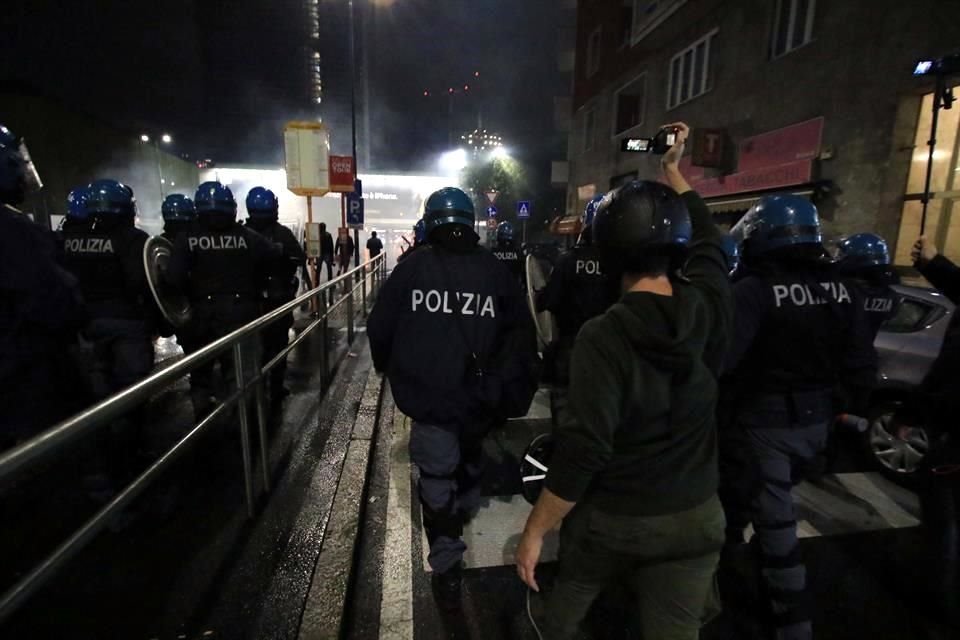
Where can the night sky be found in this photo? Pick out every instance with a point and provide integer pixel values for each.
(223, 75)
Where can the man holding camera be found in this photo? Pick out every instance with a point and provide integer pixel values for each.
(634, 475)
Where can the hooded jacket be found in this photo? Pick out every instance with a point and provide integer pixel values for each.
(640, 438)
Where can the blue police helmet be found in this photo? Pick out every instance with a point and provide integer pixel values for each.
(420, 232)
(177, 207)
(731, 249)
(863, 250)
(213, 197)
(262, 203)
(77, 204)
(448, 206)
(110, 198)
(641, 216)
(505, 232)
(591, 210)
(776, 221)
(18, 175)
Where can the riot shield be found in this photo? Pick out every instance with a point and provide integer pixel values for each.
(534, 466)
(536, 281)
(173, 304)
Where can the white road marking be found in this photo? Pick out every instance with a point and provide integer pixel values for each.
(396, 604)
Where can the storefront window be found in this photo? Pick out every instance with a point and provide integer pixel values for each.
(942, 225)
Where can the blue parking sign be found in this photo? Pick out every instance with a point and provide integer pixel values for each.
(354, 211)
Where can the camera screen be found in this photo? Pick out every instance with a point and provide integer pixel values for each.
(636, 145)
(671, 139)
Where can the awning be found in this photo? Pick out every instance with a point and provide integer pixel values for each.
(742, 202)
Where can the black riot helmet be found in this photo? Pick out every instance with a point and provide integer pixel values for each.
(641, 227)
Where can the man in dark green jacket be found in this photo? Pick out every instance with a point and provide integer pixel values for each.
(634, 475)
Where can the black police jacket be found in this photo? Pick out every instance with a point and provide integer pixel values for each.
(797, 329)
(512, 258)
(107, 260)
(281, 277)
(441, 319)
(577, 290)
(220, 261)
(41, 308)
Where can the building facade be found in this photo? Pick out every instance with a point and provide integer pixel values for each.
(817, 98)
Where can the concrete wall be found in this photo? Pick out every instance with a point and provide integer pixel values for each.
(855, 72)
(71, 149)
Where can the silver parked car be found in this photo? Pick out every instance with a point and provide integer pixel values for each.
(907, 345)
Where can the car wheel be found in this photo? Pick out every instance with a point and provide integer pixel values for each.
(892, 455)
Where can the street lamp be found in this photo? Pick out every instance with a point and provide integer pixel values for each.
(166, 138)
(453, 162)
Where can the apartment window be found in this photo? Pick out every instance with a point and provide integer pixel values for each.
(589, 128)
(792, 26)
(689, 72)
(629, 102)
(593, 51)
(649, 14)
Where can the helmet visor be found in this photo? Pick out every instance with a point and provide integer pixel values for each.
(31, 179)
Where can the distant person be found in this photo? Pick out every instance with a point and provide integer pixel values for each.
(42, 311)
(344, 251)
(326, 250)
(508, 252)
(419, 240)
(374, 245)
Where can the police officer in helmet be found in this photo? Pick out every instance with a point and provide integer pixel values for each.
(221, 266)
(107, 259)
(577, 291)
(282, 283)
(451, 332)
(507, 251)
(799, 331)
(179, 215)
(419, 239)
(40, 312)
(634, 477)
(77, 218)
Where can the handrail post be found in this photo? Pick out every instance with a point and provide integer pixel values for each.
(262, 430)
(244, 426)
(324, 342)
(363, 289)
(350, 319)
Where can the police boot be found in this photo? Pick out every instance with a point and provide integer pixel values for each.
(446, 588)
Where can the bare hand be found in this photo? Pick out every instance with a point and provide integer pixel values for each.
(923, 251)
(672, 157)
(528, 555)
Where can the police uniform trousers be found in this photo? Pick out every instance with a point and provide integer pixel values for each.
(775, 436)
(275, 338)
(450, 460)
(215, 316)
(120, 354)
(668, 563)
(940, 504)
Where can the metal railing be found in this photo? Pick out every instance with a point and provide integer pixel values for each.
(54, 440)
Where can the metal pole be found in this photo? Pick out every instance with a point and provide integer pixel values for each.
(244, 427)
(156, 146)
(324, 356)
(350, 318)
(262, 430)
(524, 237)
(363, 290)
(353, 87)
(938, 92)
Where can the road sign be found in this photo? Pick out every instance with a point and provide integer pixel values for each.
(306, 147)
(354, 211)
(492, 211)
(491, 223)
(312, 230)
(492, 196)
(358, 187)
(524, 209)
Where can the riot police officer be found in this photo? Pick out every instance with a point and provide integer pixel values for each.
(798, 328)
(263, 207)
(107, 260)
(452, 333)
(577, 291)
(220, 266)
(77, 218)
(419, 239)
(179, 215)
(507, 251)
(40, 309)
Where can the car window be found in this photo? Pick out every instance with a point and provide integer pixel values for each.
(909, 316)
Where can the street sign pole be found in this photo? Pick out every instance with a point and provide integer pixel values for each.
(524, 232)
